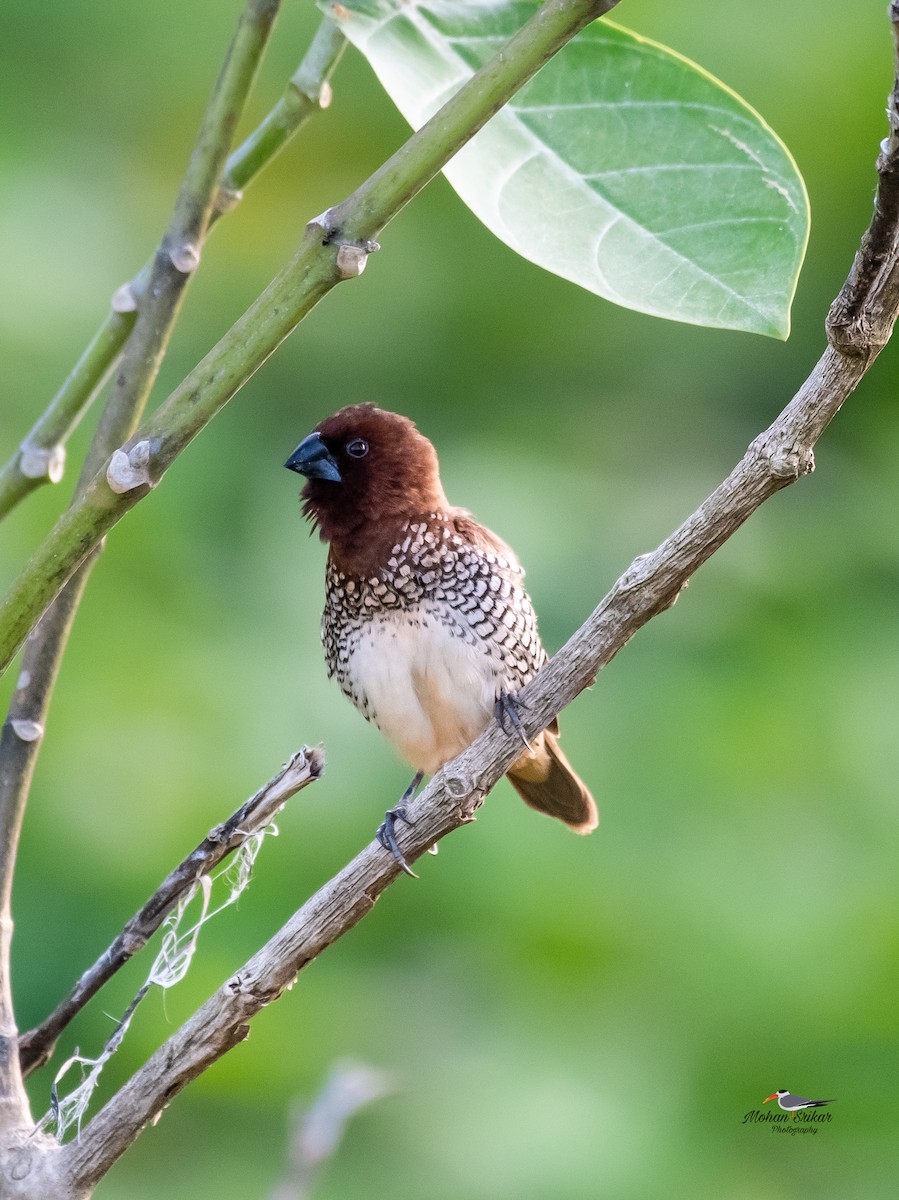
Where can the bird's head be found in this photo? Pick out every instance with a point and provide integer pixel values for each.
(774, 1095)
(366, 471)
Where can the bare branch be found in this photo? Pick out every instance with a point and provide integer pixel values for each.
(318, 1130)
(36, 1046)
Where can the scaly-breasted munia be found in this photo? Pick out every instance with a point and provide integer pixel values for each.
(427, 625)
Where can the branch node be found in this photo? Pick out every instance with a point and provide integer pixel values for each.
(636, 574)
(185, 258)
(27, 731)
(123, 298)
(470, 796)
(133, 941)
(38, 462)
(227, 198)
(323, 226)
(852, 333)
(129, 469)
(791, 462)
(456, 787)
(352, 255)
(318, 93)
(351, 261)
(237, 987)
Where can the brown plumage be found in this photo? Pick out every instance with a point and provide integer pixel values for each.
(426, 624)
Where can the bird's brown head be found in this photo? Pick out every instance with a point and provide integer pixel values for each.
(367, 471)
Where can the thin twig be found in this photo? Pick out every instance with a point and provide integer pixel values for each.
(23, 732)
(178, 255)
(40, 458)
(20, 740)
(318, 1130)
(308, 91)
(335, 247)
(36, 1046)
(778, 457)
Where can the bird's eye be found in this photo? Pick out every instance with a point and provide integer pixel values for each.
(357, 448)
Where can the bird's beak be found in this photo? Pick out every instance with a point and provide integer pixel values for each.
(313, 459)
(773, 1096)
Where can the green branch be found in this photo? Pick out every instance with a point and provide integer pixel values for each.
(40, 458)
(335, 247)
(23, 731)
(178, 255)
(308, 91)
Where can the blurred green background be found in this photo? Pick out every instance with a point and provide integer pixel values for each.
(564, 1018)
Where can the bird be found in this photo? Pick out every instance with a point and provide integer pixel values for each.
(791, 1104)
(426, 626)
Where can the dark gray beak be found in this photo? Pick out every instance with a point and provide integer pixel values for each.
(313, 459)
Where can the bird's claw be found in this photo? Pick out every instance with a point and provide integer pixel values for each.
(386, 835)
(506, 708)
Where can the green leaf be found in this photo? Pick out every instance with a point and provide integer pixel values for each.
(621, 166)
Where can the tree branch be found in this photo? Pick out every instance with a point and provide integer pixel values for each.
(779, 456)
(335, 247)
(179, 253)
(40, 458)
(308, 90)
(36, 1046)
(868, 305)
(318, 1130)
(23, 731)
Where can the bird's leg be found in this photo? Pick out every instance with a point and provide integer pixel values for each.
(386, 834)
(506, 708)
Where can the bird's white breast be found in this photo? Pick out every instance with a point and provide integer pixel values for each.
(424, 680)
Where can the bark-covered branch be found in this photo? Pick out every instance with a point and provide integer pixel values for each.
(304, 767)
(335, 248)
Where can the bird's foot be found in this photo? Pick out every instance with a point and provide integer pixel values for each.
(506, 709)
(386, 833)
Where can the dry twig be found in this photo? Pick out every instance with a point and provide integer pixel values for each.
(304, 767)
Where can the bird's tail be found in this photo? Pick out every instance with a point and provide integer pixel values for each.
(544, 779)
